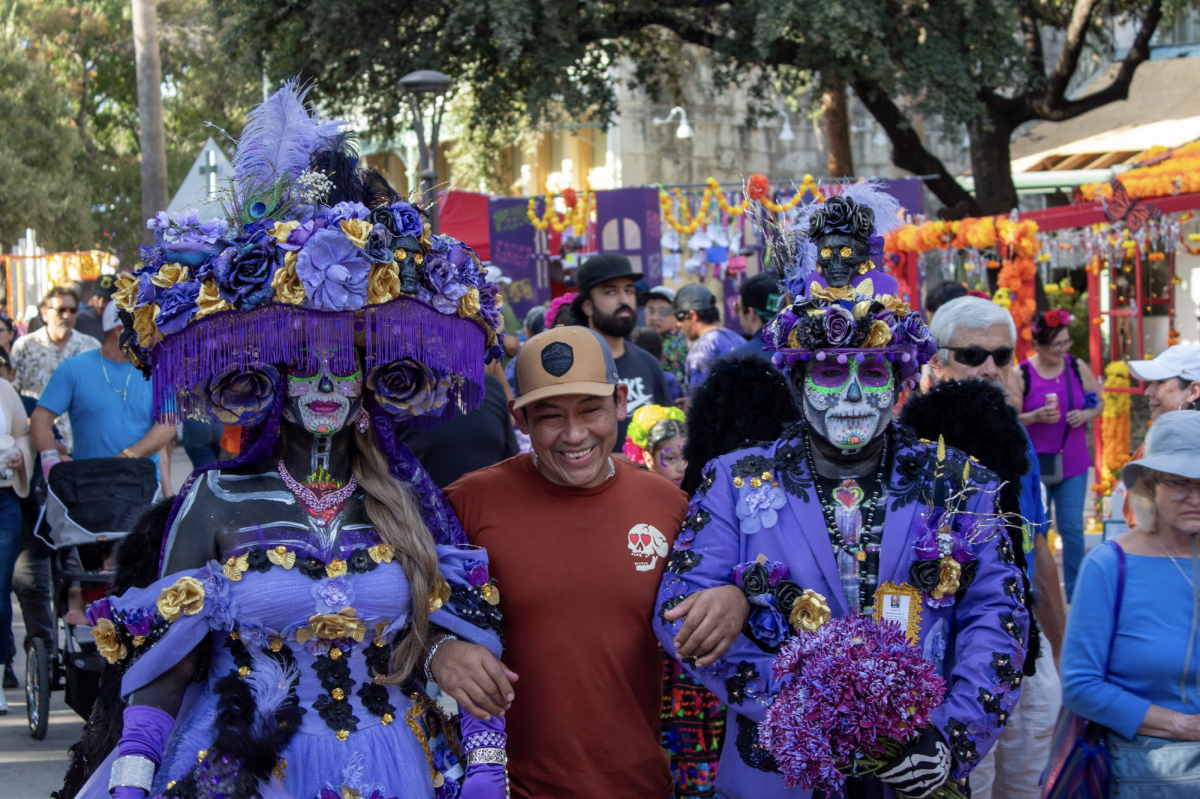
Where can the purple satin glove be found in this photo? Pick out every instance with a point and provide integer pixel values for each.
(483, 780)
(144, 734)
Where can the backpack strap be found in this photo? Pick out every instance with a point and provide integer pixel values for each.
(1117, 603)
(1025, 376)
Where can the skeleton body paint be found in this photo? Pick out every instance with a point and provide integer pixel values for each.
(849, 404)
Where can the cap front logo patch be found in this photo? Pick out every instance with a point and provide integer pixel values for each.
(558, 358)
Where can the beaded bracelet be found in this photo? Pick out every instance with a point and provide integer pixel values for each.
(478, 740)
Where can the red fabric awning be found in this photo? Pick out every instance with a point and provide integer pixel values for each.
(464, 215)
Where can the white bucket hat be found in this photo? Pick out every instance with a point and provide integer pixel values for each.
(1173, 447)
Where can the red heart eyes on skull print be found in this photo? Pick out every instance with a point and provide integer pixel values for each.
(647, 545)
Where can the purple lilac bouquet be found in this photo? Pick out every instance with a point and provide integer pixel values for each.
(875, 695)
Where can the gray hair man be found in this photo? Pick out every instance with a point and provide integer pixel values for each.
(977, 340)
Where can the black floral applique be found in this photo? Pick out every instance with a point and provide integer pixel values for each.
(960, 742)
(1006, 673)
(916, 463)
(1010, 626)
(1004, 550)
(1013, 588)
(312, 568)
(737, 684)
(374, 694)
(334, 707)
(241, 655)
(991, 704)
(683, 561)
(753, 753)
(257, 560)
(360, 562)
(750, 466)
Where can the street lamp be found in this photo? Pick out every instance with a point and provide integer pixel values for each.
(433, 83)
(684, 131)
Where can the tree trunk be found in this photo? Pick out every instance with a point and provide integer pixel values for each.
(991, 165)
(150, 110)
(835, 113)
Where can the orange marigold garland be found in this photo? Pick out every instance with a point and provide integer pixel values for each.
(1114, 427)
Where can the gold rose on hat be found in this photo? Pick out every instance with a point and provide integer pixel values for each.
(111, 649)
(184, 597)
(810, 612)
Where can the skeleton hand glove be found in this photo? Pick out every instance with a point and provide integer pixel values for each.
(920, 769)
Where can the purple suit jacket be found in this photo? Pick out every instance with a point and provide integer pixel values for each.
(977, 643)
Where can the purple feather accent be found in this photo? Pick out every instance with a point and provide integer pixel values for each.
(279, 137)
(871, 194)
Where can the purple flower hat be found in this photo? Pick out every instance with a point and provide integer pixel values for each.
(303, 265)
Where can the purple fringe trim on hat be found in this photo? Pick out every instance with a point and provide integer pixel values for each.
(284, 334)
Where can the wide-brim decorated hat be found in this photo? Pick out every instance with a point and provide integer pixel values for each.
(316, 255)
(843, 324)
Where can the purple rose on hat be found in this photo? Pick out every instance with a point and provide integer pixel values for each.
(913, 329)
(839, 325)
(444, 280)
(408, 388)
(176, 306)
(239, 397)
(243, 273)
(379, 245)
(349, 210)
(408, 219)
(334, 272)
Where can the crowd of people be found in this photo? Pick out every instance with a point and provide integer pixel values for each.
(597, 545)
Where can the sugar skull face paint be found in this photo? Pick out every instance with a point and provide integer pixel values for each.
(849, 404)
(324, 400)
(668, 459)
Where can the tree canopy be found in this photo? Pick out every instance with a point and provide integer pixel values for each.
(978, 64)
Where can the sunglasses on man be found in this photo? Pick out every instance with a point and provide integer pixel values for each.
(977, 356)
(62, 310)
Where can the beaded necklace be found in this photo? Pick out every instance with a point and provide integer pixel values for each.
(827, 509)
(324, 507)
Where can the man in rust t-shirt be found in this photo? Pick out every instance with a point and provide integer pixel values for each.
(577, 541)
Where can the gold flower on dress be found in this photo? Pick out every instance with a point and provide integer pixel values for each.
(949, 576)
(491, 594)
(143, 325)
(383, 284)
(356, 230)
(831, 293)
(185, 597)
(170, 274)
(333, 626)
(287, 284)
(468, 306)
(335, 567)
(235, 567)
(105, 633)
(126, 292)
(880, 335)
(381, 553)
(809, 612)
(861, 308)
(440, 594)
(209, 301)
(282, 556)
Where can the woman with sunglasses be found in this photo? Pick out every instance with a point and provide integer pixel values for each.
(1060, 397)
(1131, 661)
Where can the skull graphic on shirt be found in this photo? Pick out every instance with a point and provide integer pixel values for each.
(647, 545)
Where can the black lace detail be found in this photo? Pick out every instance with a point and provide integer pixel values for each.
(670, 605)
(753, 753)
(1012, 587)
(751, 466)
(962, 746)
(474, 609)
(375, 700)
(735, 685)
(1006, 674)
(991, 704)
(379, 658)
(683, 561)
(916, 462)
(792, 471)
(335, 676)
(707, 482)
(697, 521)
(158, 628)
(1004, 550)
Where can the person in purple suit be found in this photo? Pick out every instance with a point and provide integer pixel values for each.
(858, 509)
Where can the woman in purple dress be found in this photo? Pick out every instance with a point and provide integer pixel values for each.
(304, 586)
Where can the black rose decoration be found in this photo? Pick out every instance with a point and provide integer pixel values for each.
(925, 574)
(839, 214)
(384, 216)
(361, 561)
(864, 223)
(756, 580)
(967, 577)
(379, 245)
(786, 593)
(816, 224)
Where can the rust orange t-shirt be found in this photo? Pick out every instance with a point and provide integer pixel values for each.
(578, 571)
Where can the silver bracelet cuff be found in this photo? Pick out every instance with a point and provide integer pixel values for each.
(132, 771)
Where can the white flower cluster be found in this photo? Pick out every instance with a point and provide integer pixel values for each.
(312, 187)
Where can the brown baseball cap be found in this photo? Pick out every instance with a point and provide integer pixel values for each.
(563, 361)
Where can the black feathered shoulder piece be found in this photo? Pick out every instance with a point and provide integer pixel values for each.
(744, 400)
(973, 417)
(137, 554)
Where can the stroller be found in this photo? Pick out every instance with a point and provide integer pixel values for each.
(87, 510)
